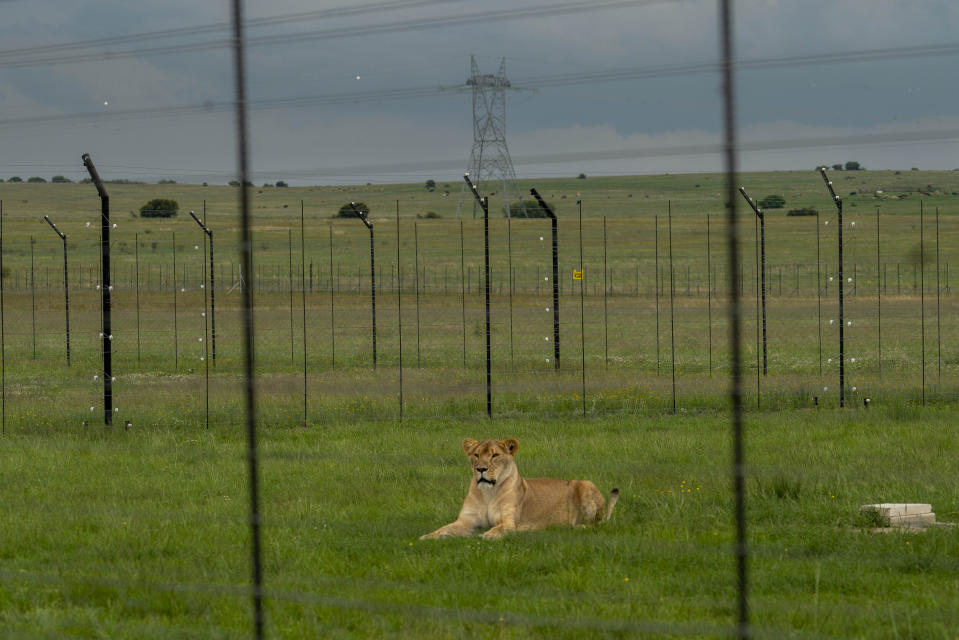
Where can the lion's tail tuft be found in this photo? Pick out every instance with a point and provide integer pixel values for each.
(613, 497)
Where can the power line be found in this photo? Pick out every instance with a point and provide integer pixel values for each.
(556, 80)
(163, 34)
(412, 24)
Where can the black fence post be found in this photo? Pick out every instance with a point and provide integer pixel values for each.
(842, 341)
(66, 283)
(484, 202)
(303, 303)
(762, 251)
(553, 223)
(362, 215)
(878, 299)
(105, 289)
(209, 235)
(709, 297)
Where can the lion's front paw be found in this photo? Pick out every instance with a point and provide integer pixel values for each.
(493, 534)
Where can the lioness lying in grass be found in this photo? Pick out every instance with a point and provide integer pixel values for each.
(501, 500)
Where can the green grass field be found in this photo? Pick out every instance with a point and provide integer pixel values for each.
(137, 533)
(142, 534)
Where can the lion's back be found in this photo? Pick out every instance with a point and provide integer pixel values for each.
(550, 501)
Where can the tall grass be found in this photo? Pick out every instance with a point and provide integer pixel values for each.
(142, 533)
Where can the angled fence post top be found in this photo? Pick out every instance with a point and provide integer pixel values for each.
(544, 206)
(832, 192)
(54, 227)
(752, 203)
(362, 215)
(206, 229)
(88, 163)
(483, 201)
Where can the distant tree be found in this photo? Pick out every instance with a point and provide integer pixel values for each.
(167, 182)
(234, 183)
(804, 211)
(581, 176)
(36, 179)
(852, 165)
(280, 183)
(159, 208)
(431, 185)
(60, 179)
(772, 202)
(346, 211)
(15, 179)
(837, 167)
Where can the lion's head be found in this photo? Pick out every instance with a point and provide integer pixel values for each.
(492, 460)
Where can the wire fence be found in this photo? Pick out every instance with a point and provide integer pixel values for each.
(644, 308)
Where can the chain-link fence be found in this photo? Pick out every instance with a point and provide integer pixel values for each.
(642, 320)
(362, 350)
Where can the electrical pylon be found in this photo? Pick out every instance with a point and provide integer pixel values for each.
(490, 164)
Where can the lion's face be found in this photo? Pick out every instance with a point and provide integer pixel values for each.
(491, 460)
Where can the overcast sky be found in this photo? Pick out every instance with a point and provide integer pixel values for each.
(893, 109)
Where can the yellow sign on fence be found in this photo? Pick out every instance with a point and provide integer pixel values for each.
(577, 274)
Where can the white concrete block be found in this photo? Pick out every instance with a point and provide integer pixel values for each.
(902, 514)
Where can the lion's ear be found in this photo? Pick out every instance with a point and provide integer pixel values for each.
(468, 444)
(511, 445)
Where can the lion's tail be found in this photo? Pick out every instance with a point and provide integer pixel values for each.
(613, 497)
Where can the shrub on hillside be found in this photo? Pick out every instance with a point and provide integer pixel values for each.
(346, 211)
(159, 208)
(772, 202)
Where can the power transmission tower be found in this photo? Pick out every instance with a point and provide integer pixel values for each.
(490, 163)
